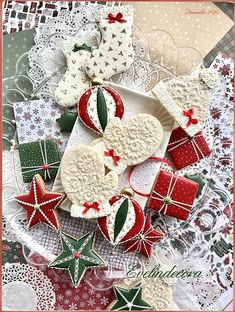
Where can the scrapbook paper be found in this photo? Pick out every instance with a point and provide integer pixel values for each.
(195, 25)
(14, 45)
(35, 119)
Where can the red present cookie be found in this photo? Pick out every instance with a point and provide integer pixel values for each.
(173, 195)
(185, 150)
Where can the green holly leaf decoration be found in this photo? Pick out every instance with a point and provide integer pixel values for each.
(84, 46)
(129, 299)
(77, 256)
(67, 121)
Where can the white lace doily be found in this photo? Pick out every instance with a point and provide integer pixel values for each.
(24, 288)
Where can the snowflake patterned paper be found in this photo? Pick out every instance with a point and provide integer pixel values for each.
(36, 119)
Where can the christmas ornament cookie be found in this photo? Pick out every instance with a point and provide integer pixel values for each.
(173, 195)
(144, 241)
(40, 204)
(67, 121)
(129, 299)
(185, 150)
(75, 81)
(39, 157)
(77, 256)
(188, 98)
(85, 182)
(98, 105)
(125, 221)
(131, 142)
(115, 53)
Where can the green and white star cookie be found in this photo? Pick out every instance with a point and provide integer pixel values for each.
(129, 299)
(77, 256)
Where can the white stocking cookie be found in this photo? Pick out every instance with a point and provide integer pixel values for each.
(115, 53)
(85, 183)
(131, 142)
(75, 81)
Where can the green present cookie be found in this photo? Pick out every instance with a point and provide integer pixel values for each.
(40, 157)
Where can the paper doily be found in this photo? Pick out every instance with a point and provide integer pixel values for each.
(26, 288)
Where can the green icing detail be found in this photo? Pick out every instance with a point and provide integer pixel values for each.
(167, 200)
(121, 217)
(84, 46)
(67, 121)
(102, 109)
(77, 266)
(129, 299)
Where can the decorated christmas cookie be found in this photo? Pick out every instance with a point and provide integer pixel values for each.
(129, 299)
(75, 81)
(40, 204)
(85, 182)
(144, 241)
(98, 105)
(77, 256)
(67, 121)
(125, 221)
(131, 142)
(188, 98)
(115, 52)
(39, 157)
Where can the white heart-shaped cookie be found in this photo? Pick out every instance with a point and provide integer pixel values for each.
(85, 183)
(131, 142)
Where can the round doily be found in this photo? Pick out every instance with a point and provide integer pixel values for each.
(26, 288)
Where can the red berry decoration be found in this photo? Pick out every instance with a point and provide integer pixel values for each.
(144, 241)
(125, 221)
(98, 105)
(40, 204)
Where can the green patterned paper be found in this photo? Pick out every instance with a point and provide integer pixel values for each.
(40, 157)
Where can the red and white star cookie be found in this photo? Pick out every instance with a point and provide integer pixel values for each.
(144, 241)
(40, 204)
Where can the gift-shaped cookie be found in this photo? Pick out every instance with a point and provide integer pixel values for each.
(75, 81)
(188, 98)
(115, 53)
(185, 150)
(131, 142)
(40, 157)
(85, 182)
(173, 195)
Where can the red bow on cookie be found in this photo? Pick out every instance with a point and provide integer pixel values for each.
(117, 18)
(191, 120)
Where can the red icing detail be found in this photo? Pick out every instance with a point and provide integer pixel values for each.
(45, 167)
(119, 103)
(77, 255)
(115, 158)
(47, 208)
(184, 192)
(118, 18)
(82, 110)
(184, 154)
(144, 246)
(88, 206)
(191, 120)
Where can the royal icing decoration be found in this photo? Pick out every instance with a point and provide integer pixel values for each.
(67, 121)
(77, 256)
(173, 195)
(98, 105)
(75, 81)
(185, 150)
(129, 299)
(40, 204)
(115, 53)
(188, 98)
(40, 157)
(144, 241)
(124, 222)
(85, 182)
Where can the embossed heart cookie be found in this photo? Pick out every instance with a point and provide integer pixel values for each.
(85, 182)
(131, 142)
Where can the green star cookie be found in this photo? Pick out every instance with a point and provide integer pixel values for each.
(67, 121)
(197, 178)
(77, 256)
(129, 299)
